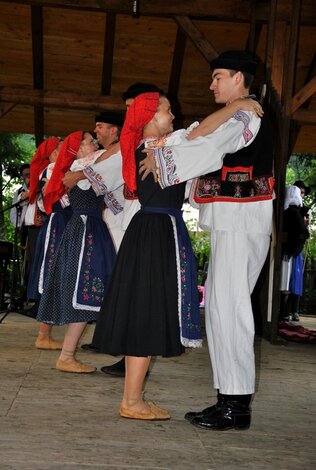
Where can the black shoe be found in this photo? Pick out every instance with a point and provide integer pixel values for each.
(207, 411)
(117, 369)
(90, 347)
(234, 413)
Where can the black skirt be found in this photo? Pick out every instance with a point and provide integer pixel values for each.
(139, 315)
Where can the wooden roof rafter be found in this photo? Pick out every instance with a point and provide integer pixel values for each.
(109, 40)
(38, 67)
(177, 62)
(206, 49)
(193, 26)
(70, 100)
(6, 108)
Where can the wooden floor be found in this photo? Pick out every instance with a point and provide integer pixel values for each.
(50, 420)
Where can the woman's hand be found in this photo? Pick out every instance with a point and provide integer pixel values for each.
(45, 180)
(148, 165)
(248, 104)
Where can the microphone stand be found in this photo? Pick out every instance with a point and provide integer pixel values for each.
(15, 301)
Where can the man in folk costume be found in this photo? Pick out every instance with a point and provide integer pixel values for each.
(236, 208)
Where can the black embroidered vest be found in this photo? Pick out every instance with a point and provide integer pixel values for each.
(246, 175)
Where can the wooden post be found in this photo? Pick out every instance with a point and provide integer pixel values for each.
(284, 154)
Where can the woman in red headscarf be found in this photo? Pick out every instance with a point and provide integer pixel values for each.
(151, 307)
(47, 240)
(80, 268)
(34, 215)
(56, 204)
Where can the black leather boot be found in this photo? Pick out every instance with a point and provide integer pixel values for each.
(210, 409)
(284, 314)
(233, 413)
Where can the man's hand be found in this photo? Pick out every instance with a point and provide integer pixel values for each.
(147, 165)
(71, 178)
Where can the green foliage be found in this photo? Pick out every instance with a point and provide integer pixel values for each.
(201, 246)
(303, 167)
(15, 149)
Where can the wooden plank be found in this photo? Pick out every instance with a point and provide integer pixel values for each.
(270, 40)
(306, 92)
(206, 49)
(65, 100)
(27, 96)
(5, 108)
(109, 39)
(305, 116)
(277, 69)
(177, 62)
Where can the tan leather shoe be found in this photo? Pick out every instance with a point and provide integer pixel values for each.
(47, 342)
(155, 413)
(74, 366)
(160, 412)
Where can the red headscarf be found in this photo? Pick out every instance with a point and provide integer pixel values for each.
(39, 162)
(55, 187)
(140, 113)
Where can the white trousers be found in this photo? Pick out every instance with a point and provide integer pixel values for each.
(236, 260)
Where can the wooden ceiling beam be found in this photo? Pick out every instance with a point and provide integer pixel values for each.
(68, 100)
(109, 40)
(253, 30)
(198, 39)
(225, 10)
(253, 38)
(37, 47)
(38, 68)
(5, 108)
(306, 92)
(305, 116)
(63, 100)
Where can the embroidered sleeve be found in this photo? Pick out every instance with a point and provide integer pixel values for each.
(96, 181)
(64, 201)
(189, 159)
(100, 188)
(166, 167)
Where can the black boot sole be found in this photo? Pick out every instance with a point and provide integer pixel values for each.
(228, 428)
